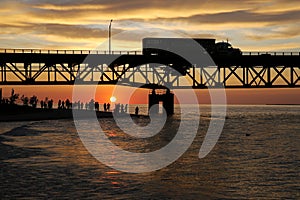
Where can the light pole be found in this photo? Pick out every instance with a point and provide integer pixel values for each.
(109, 37)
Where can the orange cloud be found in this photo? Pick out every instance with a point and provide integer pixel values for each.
(73, 24)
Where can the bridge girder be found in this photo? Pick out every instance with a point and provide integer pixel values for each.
(251, 71)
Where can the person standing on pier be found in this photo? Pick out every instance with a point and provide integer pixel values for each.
(50, 104)
(59, 104)
(126, 108)
(68, 104)
(104, 106)
(137, 110)
(122, 108)
(97, 106)
(78, 105)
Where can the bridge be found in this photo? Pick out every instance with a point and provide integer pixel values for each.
(132, 68)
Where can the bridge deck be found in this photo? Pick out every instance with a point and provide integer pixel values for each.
(63, 67)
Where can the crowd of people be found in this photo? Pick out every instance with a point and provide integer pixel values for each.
(120, 108)
(91, 105)
(65, 104)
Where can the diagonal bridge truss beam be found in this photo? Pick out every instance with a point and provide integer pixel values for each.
(137, 70)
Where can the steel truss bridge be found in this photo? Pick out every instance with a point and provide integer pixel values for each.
(66, 67)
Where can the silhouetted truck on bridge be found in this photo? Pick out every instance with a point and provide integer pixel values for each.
(166, 46)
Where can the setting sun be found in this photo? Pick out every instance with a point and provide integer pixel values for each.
(113, 99)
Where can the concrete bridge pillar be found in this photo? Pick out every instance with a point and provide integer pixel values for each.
(167, 99)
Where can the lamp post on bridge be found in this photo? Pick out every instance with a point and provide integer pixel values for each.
(109, 37)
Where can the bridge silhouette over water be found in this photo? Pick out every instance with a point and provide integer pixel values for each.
(132, 68)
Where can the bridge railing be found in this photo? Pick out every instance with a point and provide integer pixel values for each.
(44, 51)
(250, 53)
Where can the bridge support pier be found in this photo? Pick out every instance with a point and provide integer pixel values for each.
(167, 98)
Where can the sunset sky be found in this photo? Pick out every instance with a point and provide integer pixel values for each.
(251, 25)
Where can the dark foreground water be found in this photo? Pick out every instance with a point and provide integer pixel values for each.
(46, 159)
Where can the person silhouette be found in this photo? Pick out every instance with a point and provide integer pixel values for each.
(78, 105)
(126, 108)
(68, 104)
(122, 108)
(104, 106)
(137, 110)
(153, 91)
(59, 104)
(97, 106)
(50, 104)
(92, 104)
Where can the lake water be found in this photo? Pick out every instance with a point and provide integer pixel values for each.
(46, 159)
